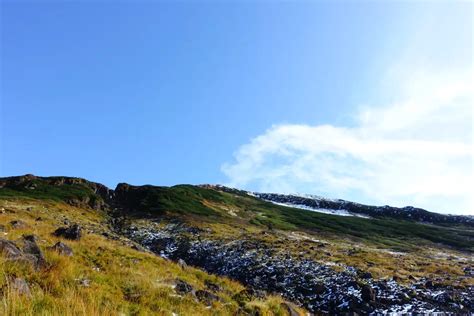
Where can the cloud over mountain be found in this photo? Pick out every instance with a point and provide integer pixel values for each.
(416, 149)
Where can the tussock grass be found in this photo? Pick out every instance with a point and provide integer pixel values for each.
(103, 277)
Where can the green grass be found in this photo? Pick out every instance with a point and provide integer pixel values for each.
(45, 191)
(210, 205)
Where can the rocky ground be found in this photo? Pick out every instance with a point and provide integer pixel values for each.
(96, 240)
(318, 287)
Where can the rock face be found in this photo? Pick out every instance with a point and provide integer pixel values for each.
(72, 232)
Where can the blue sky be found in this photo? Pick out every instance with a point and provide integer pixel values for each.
(214, 92)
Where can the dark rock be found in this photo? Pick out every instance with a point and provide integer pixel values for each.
(319, 288)
(243, 297)
(62, 249)
(32, 249)
(72, 232)
(207, 297)
(9, 249)
(212, 286)
(368, 293)
(366, 275)
(183, 287)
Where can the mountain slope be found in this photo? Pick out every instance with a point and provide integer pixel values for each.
(326, 263)
(406, 213)
(107, 274)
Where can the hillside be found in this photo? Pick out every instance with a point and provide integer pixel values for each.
(324, 263)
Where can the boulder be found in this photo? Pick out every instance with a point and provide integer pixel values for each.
(32, 251)
(72, 232)
(212, 286)
(9, 249)
(368, 293)
(62, 249)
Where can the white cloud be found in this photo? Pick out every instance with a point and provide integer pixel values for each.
(417, 150)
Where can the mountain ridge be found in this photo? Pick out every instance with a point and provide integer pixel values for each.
(327, 264)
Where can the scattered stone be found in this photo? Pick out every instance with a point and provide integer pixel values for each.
(62, 249)
(18, 224)
(85, 282)
(72, 232)
(183, 287)
(207, 297)
(212, 286)
(247, 295)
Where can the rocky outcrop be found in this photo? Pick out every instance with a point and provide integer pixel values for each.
(30, 252)
(78, 192)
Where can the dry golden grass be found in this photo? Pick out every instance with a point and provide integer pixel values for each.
(103, 277)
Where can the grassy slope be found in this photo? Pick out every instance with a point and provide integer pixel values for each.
(122, 280)
(393, 233)
(44, 191)
(193, 200)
